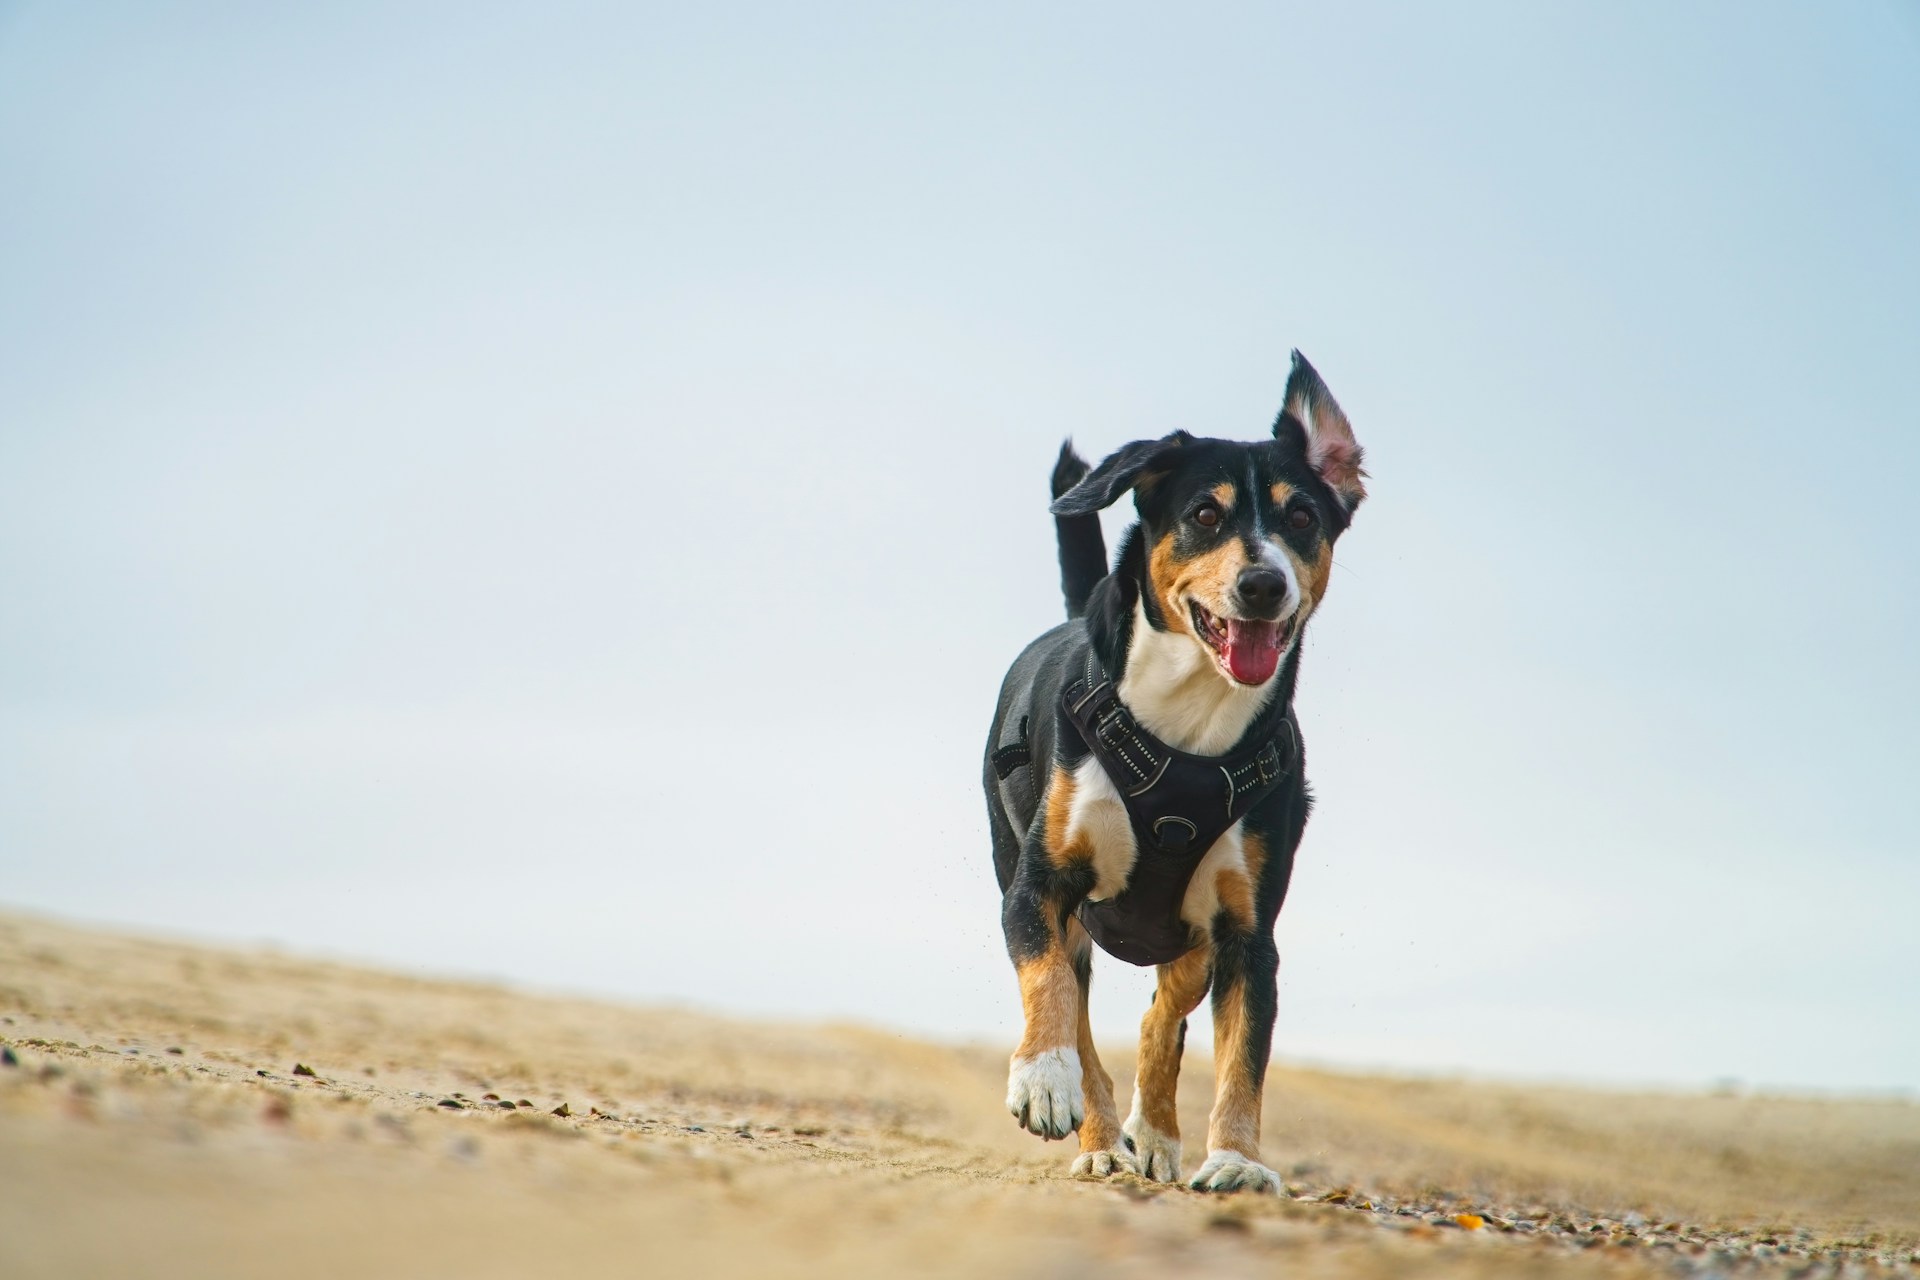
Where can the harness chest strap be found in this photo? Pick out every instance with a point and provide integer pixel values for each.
(1178, 805)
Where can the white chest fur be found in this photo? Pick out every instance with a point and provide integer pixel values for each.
(1099, 817)
(1178, 692)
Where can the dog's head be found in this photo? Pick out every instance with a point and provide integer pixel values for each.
(1236, 539)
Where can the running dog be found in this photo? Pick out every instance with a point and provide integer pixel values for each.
(1144, 774)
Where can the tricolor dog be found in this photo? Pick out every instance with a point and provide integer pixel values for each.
(1144, 774)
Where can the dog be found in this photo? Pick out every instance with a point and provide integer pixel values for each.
(1144, 774)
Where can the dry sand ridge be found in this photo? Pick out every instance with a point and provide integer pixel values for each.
(175, 1110)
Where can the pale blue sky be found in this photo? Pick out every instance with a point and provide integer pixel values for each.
(444, 448)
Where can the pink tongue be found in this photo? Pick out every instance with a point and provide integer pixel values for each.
(1253, 650)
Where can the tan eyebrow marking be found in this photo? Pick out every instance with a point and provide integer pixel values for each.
(1281, 491)
(1224, 493)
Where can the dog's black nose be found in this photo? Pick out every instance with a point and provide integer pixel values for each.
(1262, 591)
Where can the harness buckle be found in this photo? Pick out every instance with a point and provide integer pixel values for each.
(1269, 764)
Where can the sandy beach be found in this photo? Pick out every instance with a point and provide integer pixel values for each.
(178, 1110)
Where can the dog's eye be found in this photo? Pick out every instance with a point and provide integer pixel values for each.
(1207, 516)
(1300, 518)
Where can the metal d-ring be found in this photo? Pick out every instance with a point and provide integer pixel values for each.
(1170, 840)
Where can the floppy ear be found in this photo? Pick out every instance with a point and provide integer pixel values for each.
(1331, 449)
(1118, 472)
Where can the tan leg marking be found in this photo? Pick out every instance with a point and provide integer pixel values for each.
(1047, 1084)
(1253, 852)
(1233, 1127)
(1234, 892)
(1178, 990)
(1101, 1129)
(1102, 1152)
(1050, 999)
(1049, 991)
(1234, 1124)
(1154, 1125)
(1044, 1077)
(1233, 886)
(1059, 813)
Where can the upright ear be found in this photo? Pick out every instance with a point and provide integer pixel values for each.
(1331, 449)
(1118, 472)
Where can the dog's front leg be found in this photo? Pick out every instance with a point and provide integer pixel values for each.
(1044, 1090)
(1245, 977)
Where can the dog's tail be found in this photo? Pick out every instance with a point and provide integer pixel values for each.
(1083, 548)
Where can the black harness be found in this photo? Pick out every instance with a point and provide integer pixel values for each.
(1178, 805)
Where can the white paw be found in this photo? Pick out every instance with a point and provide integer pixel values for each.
(1157, 1153)
(1104, 1164)
(1231, 1171)
(1043, 1092)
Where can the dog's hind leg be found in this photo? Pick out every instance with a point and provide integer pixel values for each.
(1102, 1153)
(1153, 1129)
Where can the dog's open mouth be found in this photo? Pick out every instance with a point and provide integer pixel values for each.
(1249, 650)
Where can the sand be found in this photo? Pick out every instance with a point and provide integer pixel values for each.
(159, 1119)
